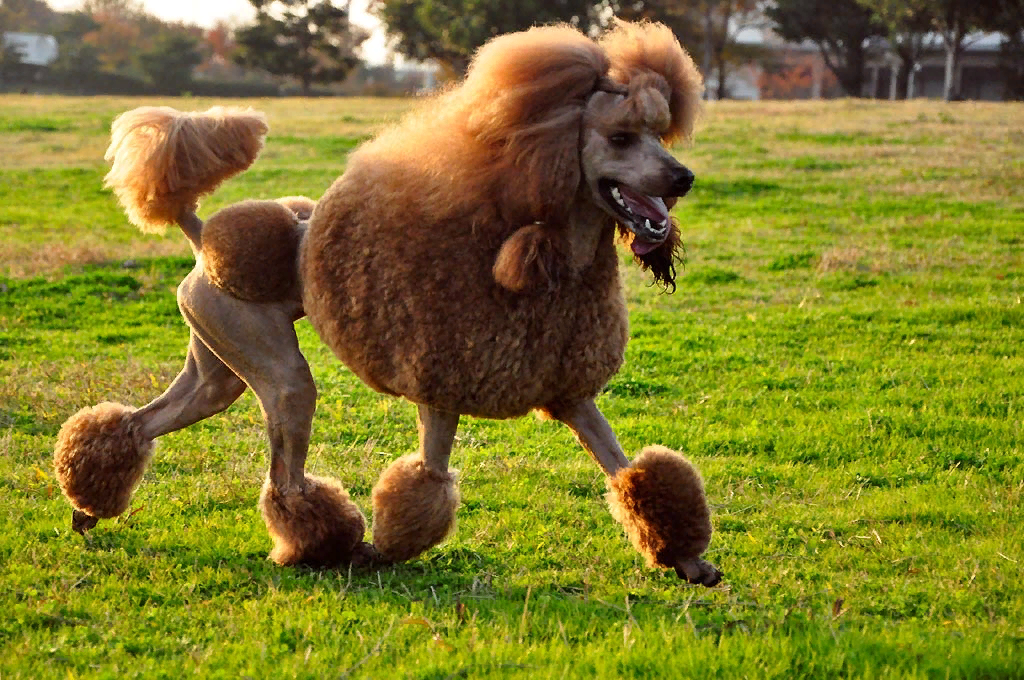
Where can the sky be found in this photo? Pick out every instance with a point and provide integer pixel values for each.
(207, 12)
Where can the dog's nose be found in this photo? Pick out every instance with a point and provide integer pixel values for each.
(683, 181)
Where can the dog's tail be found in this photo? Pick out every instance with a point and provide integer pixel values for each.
(163, 161)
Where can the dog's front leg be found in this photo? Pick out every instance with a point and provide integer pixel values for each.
(415, 499)
(658, 498)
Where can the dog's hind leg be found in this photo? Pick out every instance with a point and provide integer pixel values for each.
(658, 498)
(311, 520)
(415, 499)
(205, 387)
(102, 451)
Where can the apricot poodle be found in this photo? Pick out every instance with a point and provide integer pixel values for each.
(465, 260)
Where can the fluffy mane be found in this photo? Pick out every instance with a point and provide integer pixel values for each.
(511, 117)
(508, 135)
(637, 49)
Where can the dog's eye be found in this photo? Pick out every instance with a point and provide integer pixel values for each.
(622, 139)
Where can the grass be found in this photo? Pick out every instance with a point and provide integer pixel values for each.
(842, 359)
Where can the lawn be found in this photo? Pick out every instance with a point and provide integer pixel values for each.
(843, 359)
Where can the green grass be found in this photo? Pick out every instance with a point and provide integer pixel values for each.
(842, 359)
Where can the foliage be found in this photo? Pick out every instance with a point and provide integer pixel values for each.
(843, 359)
(907, 24)
(26, 16)
(1008, 18)
(76, 59)
(169, 63)
(310, 40)
(839, 32)
(952, 20)
(449, 31)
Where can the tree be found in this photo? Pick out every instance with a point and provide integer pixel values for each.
(1008, 18)
(705, 27)
(76, 59)
(450, 31)
(310, 40)
(840, 31)
(723, 20)
(954, 21)
(26, 16)
(169, 63)
(907, 24)
(118, 34)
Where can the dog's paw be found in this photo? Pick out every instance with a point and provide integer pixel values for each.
(82, 521)
(699, 572)
(316, 525)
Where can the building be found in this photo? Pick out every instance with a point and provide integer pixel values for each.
(36, 53)
(978, 74)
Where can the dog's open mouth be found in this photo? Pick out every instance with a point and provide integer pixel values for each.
(645, 216)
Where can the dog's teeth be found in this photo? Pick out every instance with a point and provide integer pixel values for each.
(647, 224)
(618, 199)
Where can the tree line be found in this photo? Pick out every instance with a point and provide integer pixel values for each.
(843, 31)
(313, 41)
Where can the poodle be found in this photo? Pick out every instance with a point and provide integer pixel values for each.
(465, 260)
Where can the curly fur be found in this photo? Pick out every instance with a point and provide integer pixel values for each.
(659, 499)
(99, 459)
(645, 49)
(164, 160)
(250, 249)
(300, 205)
(413, 508)
(420, 261)
(466, 260)
(317, 525)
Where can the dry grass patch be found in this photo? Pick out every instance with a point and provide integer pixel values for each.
(19, 260)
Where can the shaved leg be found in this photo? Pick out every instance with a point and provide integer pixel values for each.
(595, 435)
(205, 387)
(311, 520)
(258, 343)
(416, 497)
(437, 434)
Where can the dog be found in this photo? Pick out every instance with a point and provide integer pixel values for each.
(466, 260)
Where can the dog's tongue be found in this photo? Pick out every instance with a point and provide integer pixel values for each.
(651, 207)
(641, 247)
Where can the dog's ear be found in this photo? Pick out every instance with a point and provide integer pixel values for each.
(547, 163)
(662, 260)
(528, 261)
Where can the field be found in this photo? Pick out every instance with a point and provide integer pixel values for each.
(843, 359)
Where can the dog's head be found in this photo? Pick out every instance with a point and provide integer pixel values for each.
(575, 119)
(629, 172)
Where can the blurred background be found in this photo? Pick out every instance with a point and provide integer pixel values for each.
(746, 49)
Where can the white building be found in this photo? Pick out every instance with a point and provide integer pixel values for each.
(35, 49)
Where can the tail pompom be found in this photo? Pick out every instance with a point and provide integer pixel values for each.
(163, 160)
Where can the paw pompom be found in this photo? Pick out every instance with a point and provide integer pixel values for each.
(317, 525)
(659, 499)
(99, 459)
(413, 508)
